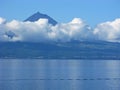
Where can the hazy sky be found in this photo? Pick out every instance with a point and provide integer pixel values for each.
(92, 11)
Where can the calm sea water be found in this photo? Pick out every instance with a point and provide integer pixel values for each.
(35, 74)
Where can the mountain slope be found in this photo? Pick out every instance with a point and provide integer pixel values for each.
(78, 50)
(38, 16)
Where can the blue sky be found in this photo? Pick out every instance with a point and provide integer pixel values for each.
(92, 11)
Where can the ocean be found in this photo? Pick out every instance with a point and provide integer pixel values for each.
(59, 74)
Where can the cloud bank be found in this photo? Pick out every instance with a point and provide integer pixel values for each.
(42, 31)
(108, 31)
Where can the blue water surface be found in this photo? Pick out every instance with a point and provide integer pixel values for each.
(37, 74)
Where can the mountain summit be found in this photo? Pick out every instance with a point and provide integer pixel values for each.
(39, 15)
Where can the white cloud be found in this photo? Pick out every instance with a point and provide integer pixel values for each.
(108, 31)
(2, 20)
(42, 31)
